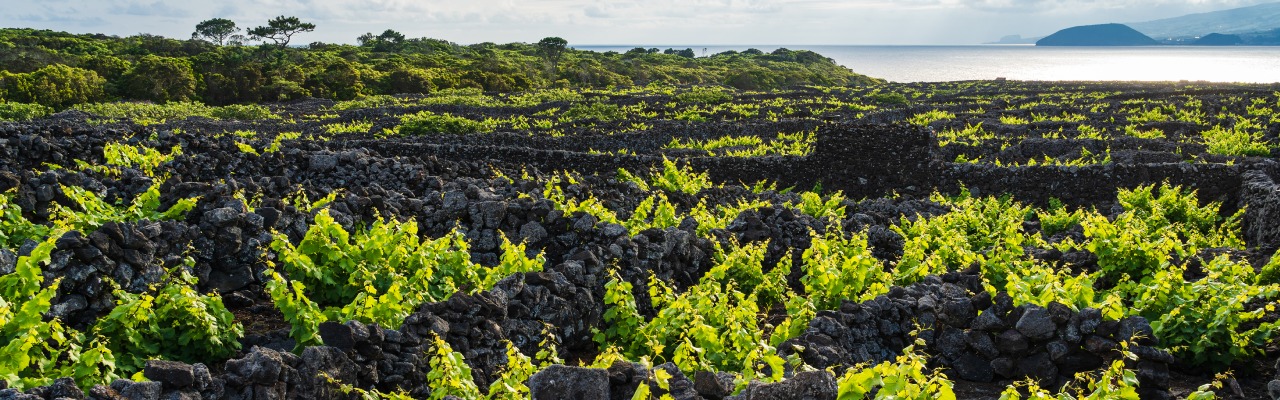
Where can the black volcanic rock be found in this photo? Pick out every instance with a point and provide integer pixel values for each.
(1097, 35)
(1218, 39)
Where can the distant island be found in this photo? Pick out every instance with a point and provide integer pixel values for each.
(1257, 25)
(1098, 35)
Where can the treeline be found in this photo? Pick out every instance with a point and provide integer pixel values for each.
(59, 69)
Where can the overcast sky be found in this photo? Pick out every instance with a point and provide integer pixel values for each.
(583, 22)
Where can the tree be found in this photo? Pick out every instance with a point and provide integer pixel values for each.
(552, 48)
(161, 79)
(281, 29)
(216, 30)
(387, 42)
(57, 86)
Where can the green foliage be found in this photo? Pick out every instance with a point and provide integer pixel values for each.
(889, 99)
(597, 110)
(379, 274)
(552, 49)
(812, 204)
(553, 191)
(510, 384)
(173, 322)
(22, 111)
(926, 118)
(674, 178)
(35, 351)
(1056, 218)
(723, 214)
(1270, 273)
(281, 30)
(426, 122)
(983, 231)
(1214, 320)
(161, 79)
(654, 212)
(710, 327)
(795, 144)
(1154, 226)
(837, 268)
(1115, 382)
(904, 378)
(246, 112)
(350, 127)
(143, 158)
(215, 30)
(1243, 139)
(94, 212)
(15, 229)
(57, 86)
(149, 114)
(1041, 285)
(449, 374)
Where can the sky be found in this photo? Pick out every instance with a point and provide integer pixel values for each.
(641, 22)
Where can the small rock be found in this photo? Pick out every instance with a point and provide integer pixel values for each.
(565, 382)
(172, 374)
(137, 390)
(1038, 366)
(988, 321)
(533, 232)
(1012, 343)
(1036, 324)
(970, 367)
(1273, 389)
(337, 335)
(323, 162)
(809, 385)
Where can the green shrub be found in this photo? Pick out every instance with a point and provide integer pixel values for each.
(58, 86)
(148, 113)
(426, 122)
(34, 350)
(22, 111)
(161, 79)
(889, 99)
(1243, 139)
(246, 112)
(1214, 320)
(376, 275)
(173, 322)
(600, 111)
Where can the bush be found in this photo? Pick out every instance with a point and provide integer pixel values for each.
(599, 111)
(174, 323)
(22, 111)
(161, 79)
(427, 122)
(248, 112)
(57, 86)
(409, 80)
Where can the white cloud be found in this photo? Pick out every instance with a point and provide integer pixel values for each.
(617, 22)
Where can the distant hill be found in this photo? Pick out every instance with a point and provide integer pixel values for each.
(1218, 39)
(1259, 18)
(1097, 35)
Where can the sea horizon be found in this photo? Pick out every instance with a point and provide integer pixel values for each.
(939, 63)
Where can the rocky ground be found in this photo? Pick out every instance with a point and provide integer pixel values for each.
(490, 185)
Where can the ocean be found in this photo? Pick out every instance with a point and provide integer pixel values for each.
(1014, 62)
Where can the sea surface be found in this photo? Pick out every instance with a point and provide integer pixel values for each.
(1021, 62)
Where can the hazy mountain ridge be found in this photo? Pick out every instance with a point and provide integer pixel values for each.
(1254, 25)
(1097, 35)
(1253, 19)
